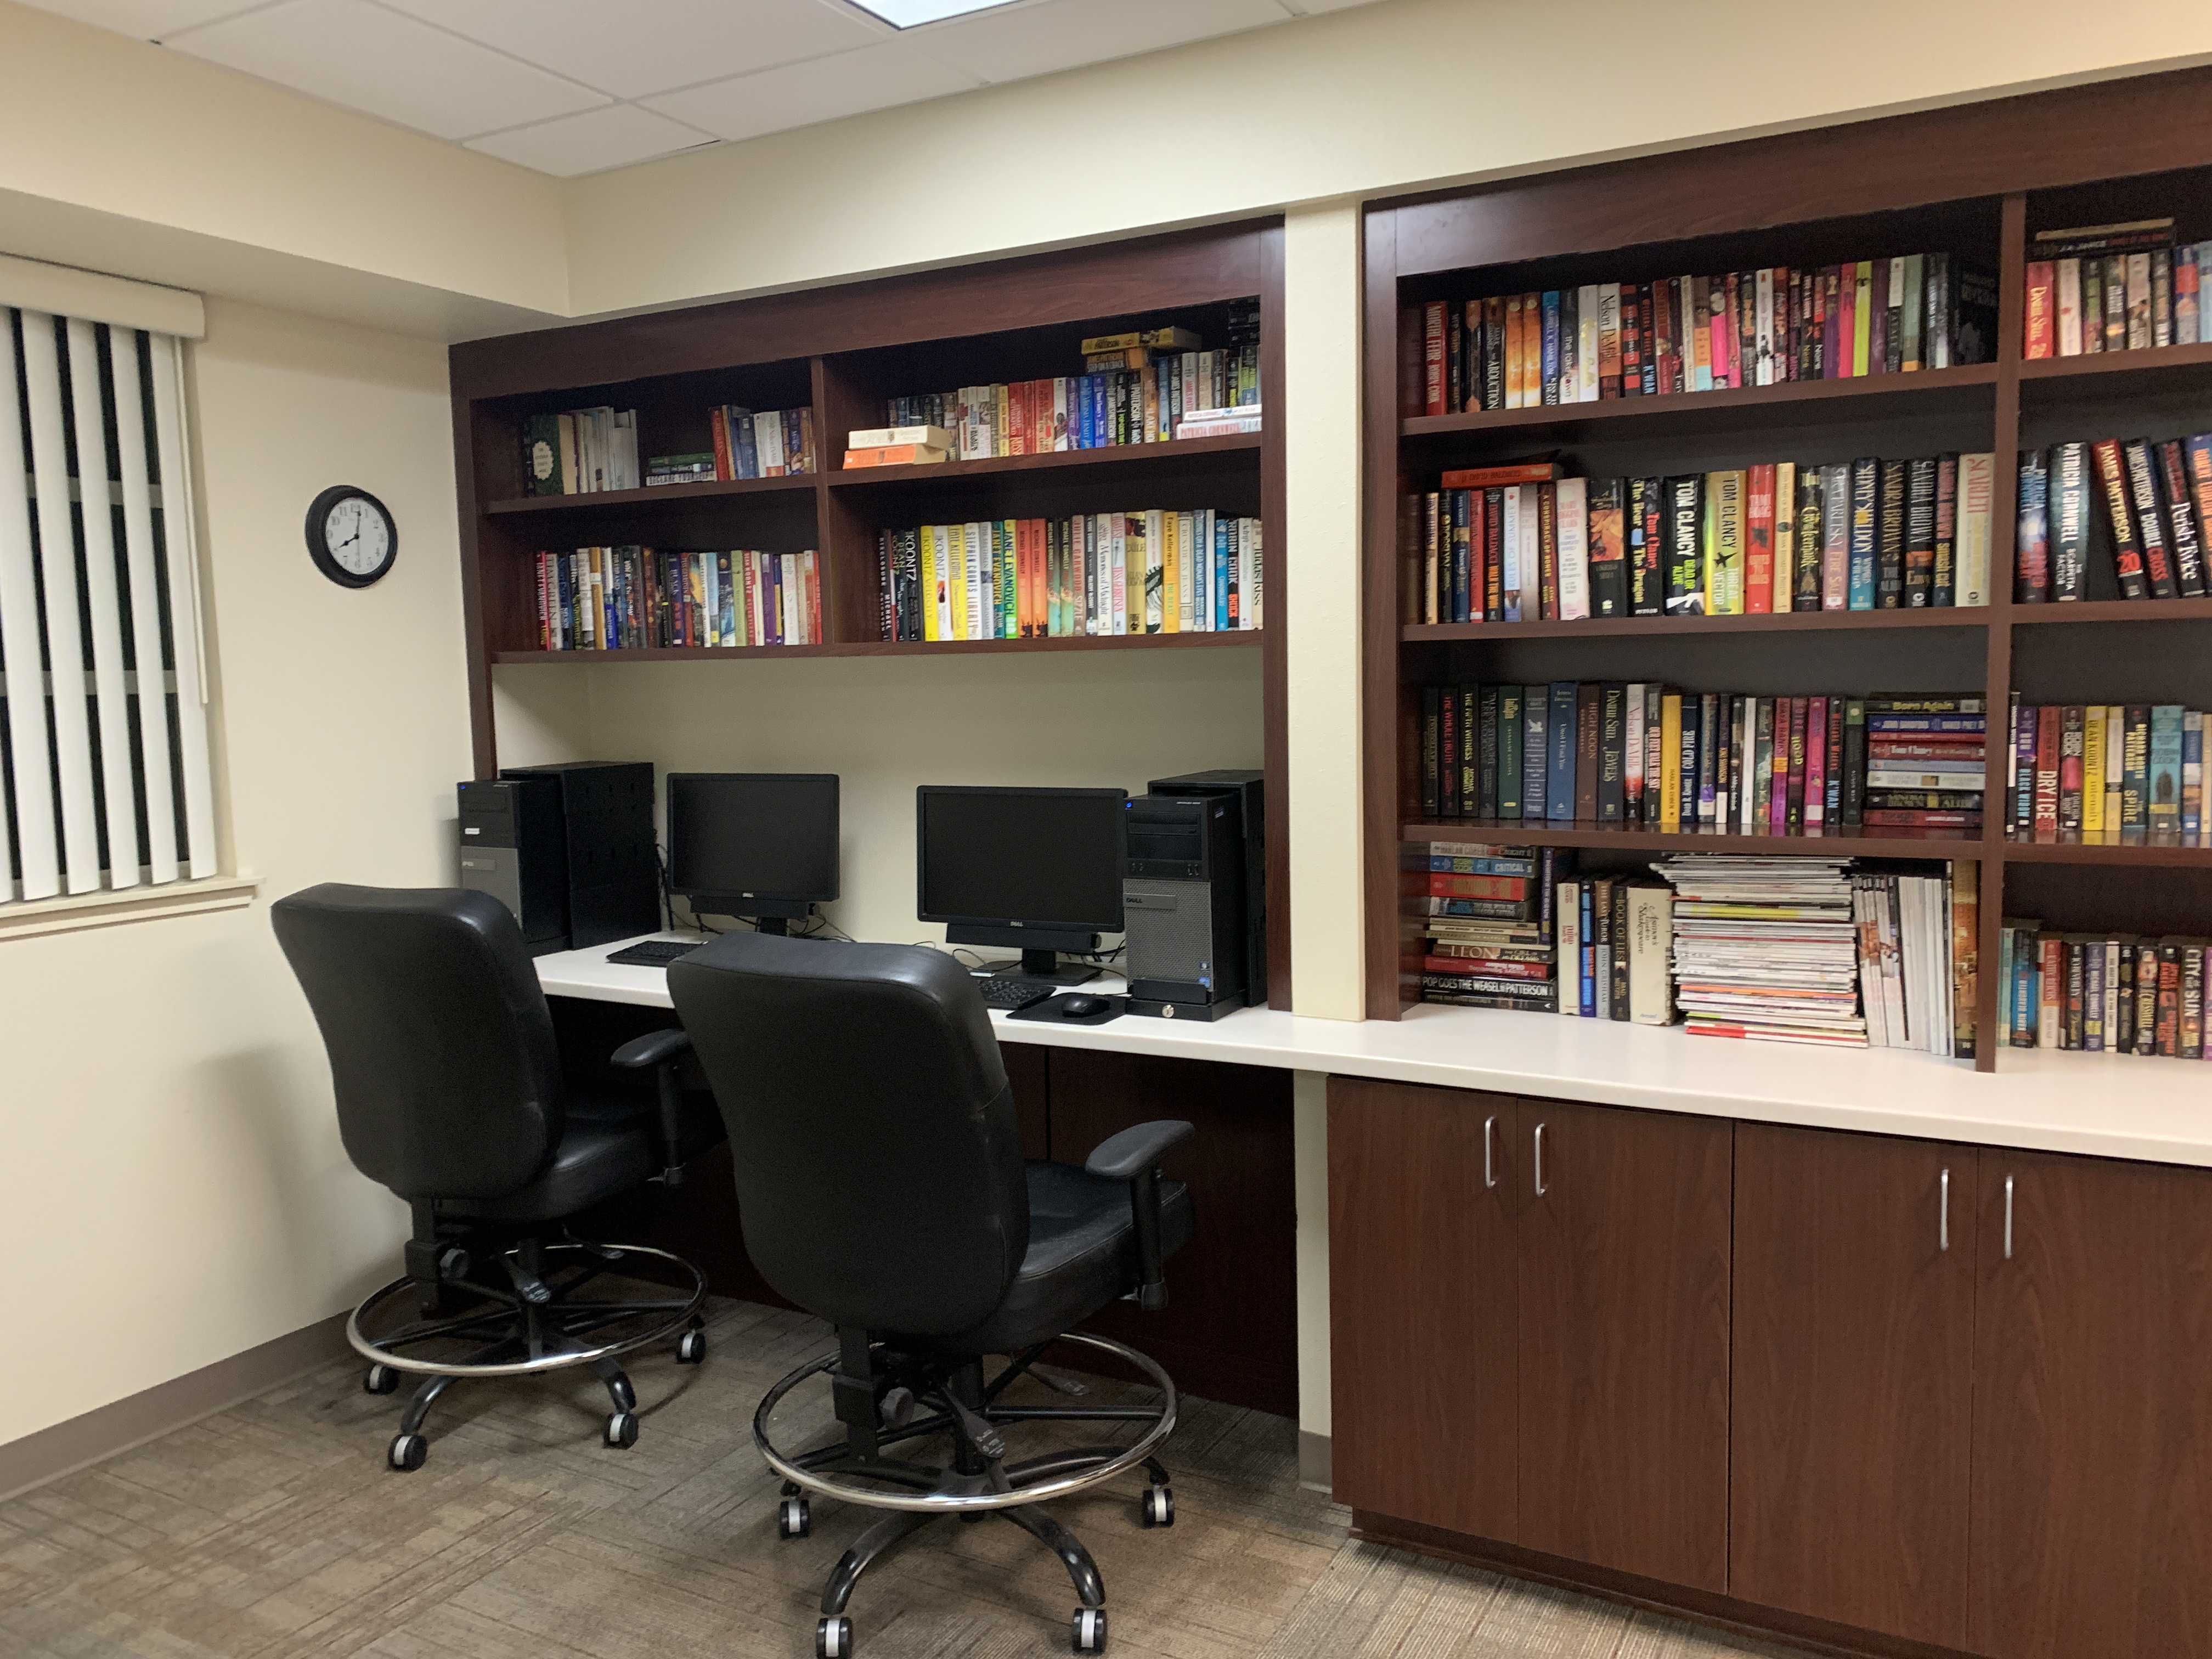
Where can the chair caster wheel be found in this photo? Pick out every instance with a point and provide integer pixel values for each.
(792, 1518)
(408, 1452)
(622, 1430)
(1159, 1507)
(833, 1637)
(691, 1348)
(379, 1378)
(1086, 1631)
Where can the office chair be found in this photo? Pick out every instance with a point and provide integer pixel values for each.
(882, 1187)
(450, 1092)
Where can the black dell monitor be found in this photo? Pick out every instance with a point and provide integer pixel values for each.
(1038, 871)
(761, 845)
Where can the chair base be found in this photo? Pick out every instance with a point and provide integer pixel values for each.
(539, 1322)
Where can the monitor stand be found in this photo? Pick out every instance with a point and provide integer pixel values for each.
(778, 925)
(1043, 965)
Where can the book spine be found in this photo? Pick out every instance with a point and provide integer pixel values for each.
(1559, 760)
(2127, 550)
(1683, 554)
(1865, 531)
(1893, 483)
(2150, 518)
(2032, 535)
(2185, 529)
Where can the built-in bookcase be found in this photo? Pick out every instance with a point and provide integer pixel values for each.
(842, 352)
(1973, 182)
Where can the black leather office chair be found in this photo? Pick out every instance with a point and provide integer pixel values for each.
(450, 1092)
(881, 1187)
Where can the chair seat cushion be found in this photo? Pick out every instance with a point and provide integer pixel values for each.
(612, 1143)
(1082, 1255)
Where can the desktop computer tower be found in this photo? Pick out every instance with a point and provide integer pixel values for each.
(513, 847)
(1182, 898)
(611, 868)
(1246, 789)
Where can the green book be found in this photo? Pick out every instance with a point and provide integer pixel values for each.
(1508, 752)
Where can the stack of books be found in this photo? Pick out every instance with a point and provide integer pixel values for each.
(1219, 423)
(1916, 950)
(1605, 340)
(896, 446)
(1615, 940)
(767, 443)
(680, 470)
(2113, 287)
(1517, 542)
(628, 599)
(1492, 928)
(1766, 949)
(580, 452)
(2152, 501)
(1927, 762)
(2108, 773)
(2108, 993)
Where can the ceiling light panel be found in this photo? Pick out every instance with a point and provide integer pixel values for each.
(912, 14)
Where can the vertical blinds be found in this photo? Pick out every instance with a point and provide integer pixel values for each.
(103, 717)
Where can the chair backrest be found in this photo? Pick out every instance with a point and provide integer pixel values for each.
(878, 1163)
(440, 1045)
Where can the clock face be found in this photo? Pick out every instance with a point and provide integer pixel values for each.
(358, 538)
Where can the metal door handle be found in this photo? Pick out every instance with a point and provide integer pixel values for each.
(1489, 1168)
(1943, 1215)
(2008, 1218)
(1539, 1160)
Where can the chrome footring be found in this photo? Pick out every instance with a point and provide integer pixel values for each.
(680, 1313)
(956, 1502)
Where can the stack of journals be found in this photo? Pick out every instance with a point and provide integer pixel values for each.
(896, 446)
(769, 443)
(1615, 934)
(2156, 500)
(2108, 993)
(1161, 572)
(580, 452)
(628, 599)
(1492, 933)
(1218, 422)
(2113, 287)
(1766, 948)
(1917, 949)
(1583, 345)
(678, 470)
(2109, 773)
(1517, 542)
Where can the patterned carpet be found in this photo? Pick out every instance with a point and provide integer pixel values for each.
(274, 1531)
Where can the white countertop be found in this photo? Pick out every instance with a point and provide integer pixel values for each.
(2108, 1105)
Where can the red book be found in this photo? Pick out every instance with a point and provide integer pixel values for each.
(2049, 731)
(1632, 297)
(1489, 970)
(1923, 819)
(1478, 559)
(2042, 309)
(1432, 358)
(1516, 472)
(719, 425)
(1483, 887)
(1758, 541)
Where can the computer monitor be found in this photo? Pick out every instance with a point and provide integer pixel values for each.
(1037, 870)
(757, 844)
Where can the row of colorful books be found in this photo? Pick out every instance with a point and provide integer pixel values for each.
(1492, 930)
(2113, 287)
(2152, 501)
(2111, 774)
(1519, 543)
(627, 598)
(580, 452)
(2109, 993)
(1596, 341)
(1157, 572)
(1644, 755)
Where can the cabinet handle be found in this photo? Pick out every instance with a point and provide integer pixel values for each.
(1489, 1168)
(1943, 1215)
(2008, 1218)
(1539, 1160)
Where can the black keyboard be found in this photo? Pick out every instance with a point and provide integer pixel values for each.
(1007, 994)
(654, 952)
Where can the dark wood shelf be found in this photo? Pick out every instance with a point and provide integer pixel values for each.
(887, 648)
(1582, 833)
(1780, 622)
(1136, 458)
(2112, 610)
(2169, 854)
(690, 492)
(2105, 365)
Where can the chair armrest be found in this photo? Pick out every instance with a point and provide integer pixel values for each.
(661, 1050)
(653, 1049)
(1123, 1156)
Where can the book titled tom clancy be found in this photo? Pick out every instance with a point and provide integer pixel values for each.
(1682, 553)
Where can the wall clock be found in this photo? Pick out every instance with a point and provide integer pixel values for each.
(350, 536)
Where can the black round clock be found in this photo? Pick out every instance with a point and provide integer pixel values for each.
(350, 536)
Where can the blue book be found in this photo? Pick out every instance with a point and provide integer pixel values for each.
(1101, 410)
(1461, 550)
(2163, 784)
(2192, 779)
(1534, 751)
(565, 628)
(1866, 481)
(1551, 365)
(1586, 951)
(745, 450)
(2026, 990)
(1560, 770)
(1221, 577)
(1082, 428)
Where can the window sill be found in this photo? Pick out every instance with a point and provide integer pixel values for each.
(111, 905)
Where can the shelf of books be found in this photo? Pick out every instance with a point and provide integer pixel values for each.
(1798, 621)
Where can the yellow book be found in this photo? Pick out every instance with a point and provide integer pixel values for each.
(956, 592)
(1170, 573)
(928, 539)
(1670, 762)
(2092, 767)
(1862, 313)
(1002, 422)
(1724, 544)
(1785, 536)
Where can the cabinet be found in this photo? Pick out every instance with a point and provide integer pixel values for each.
(1852, 1376)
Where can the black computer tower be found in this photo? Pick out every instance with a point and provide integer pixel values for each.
(1246, 790)
(613, 869)
(513, 847)
(1183, 901)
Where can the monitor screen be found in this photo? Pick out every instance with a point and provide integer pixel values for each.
(1034, 856)
(770, 836)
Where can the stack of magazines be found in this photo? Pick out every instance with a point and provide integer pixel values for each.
(1766, 949)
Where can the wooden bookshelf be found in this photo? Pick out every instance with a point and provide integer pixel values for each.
(841, 352)
(2087, 155)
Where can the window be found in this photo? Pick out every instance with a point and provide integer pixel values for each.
(105, 781)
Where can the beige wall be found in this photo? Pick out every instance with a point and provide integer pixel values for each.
(172, 1174)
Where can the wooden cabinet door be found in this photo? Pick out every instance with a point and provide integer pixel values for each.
(1852, 1379)
(1624, 1351)
(1421, 1190)
(2092, 1410)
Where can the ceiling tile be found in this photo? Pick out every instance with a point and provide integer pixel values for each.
(371, 59)
(149, 19)
(652, 46)
(614, 137)
(1311, 7)
(799, 95)
(1025, 40)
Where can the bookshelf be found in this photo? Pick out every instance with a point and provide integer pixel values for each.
(840, 352)
(1972, 182)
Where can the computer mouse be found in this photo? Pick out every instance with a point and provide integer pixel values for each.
(1078, 1004)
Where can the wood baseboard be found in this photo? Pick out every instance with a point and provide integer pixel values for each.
(1316, 1455)
(50, 1453)
(1720, 1612)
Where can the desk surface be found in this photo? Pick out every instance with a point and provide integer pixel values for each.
(2112, 1106)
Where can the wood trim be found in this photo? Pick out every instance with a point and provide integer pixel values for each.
(1386, 984)
(1275, 662)
(898, 648)
(1777, 622)
(109, 906)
